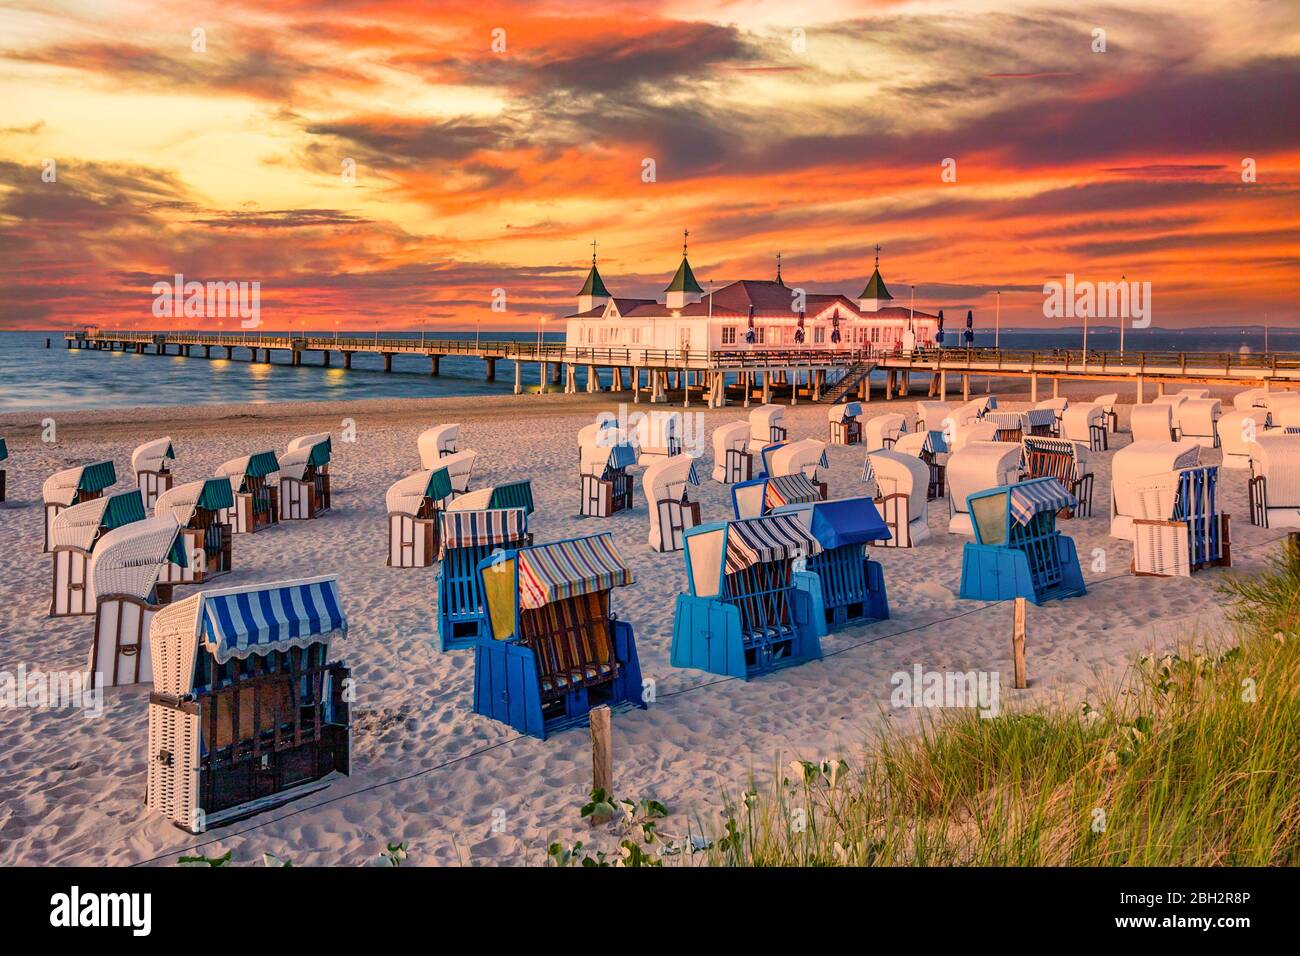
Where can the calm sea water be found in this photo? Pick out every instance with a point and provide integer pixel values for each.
(34, 378)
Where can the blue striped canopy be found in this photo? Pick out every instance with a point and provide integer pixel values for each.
(621, 456)
(693, 476)
(868, 473)
(1037, 495)
(260, 620)
(1041, 416)
(935, 443)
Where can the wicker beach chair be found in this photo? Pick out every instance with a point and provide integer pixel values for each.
(766, 427)
(883, 430)
(748, 609)
(256, 497)
(845, 427)
(72, 486)
(76, 533)
(124, 572)
(248, 711)
(153, 474)
(467, 538)
(1086, 423)
(554, 649)
(672, 513)
(1275, 481)
(1153, 422)
(1132, 466)
(1017, 551)
(437, 443)
(732, 461)
(901, 496)
(413, 503)
(304, 488)
(201, 509)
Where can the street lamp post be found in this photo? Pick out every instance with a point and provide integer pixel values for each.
(1121, 325)
(997, 323)
(541, 364)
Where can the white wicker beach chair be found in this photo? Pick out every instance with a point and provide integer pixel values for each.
(672, 513)
(1237, 432)
(75, 533)
(201, 509)
(124, 573)
(805, 455)
(305, 477)
(1275, 481)
(971, 431)
(732, 461)
(766, 427)
(657, 435)
(1153, 422)
(845, 426)
(973, 410)
(882, 431)
(255, 492)
(978, 466)
(1194, 394)
(459, 466)
(437, 442)
(413, 504)
(1250, 398)
(901, 483)
(72, 486)
(153, 475)
(1057, 407)
(1175, 402)
(934, 416)
(1086, 423)
(1131, 469)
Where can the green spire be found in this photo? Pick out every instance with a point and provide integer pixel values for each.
(875, 285)
(684, 280)
(594, 286)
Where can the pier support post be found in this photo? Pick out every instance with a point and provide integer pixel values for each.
(794, 386)
(965, 386)
(593, 380)
(767, 386)
(491, 369)
(943, 386)
(519, 385)
(636, 385)
(435, 364)
(347, 359)
(1160, 387)
(556, 368)
(1033, 386)
(230, 352)
(1056, 387)
(617, 384)
(1140, 389)
(324, 357)
(207, 351)
(570, 379)
(889, 385)
(388, 361)
(747, 386)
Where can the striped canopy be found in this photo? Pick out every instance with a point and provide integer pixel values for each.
(489, 528)
(1037, 495)
(1005, 420)
(516, 494)
(621, 456)
(1059, 446)
(868, 473)
(239, 622)
(1041, 416)
(763, 540)
(552, 572)
(789, 489)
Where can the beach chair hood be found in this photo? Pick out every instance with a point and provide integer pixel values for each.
(260, 465)
(563, 569)
(979, 466)
(669, 477)
(128, 559)
(487, 528)
(435, 442)
(890, 425)
(152, 455)
(62, 487)
(1250, 398)
(407, 495)
(762, 419)
(78, 525)
(310, 451)
(4, 450)
(846, 412)
(798, 457)
(180, 502)
(840, 521)
(1145, 458)
(763, 540)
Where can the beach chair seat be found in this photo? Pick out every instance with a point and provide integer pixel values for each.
(1274, 487)
(553, 649)
(1063, 460)
(248, 711)
(852, 585)
(766, 427)
(749, 609)
(199, 508)
(845, 424)
(1017, 551)
(153, 474)
(467, 538)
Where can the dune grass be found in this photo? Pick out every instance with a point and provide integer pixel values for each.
(1194, 760)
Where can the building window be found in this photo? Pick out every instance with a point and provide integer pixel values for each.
(636, 336)
(728, 335)
(819, 334)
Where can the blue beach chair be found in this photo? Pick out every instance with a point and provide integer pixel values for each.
(853, 586)
(467, 538)
(758, 496)
(1017, 551)
(749, 611)
(553, 648)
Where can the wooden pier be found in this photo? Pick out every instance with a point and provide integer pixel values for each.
(819, 375)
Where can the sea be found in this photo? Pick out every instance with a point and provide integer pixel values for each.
(37, 373)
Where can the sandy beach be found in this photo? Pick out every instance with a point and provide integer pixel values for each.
(459, 787)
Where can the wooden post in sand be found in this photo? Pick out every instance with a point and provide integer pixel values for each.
(602, 761)
(1018, 644)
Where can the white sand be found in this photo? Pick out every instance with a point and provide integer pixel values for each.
(71, 788)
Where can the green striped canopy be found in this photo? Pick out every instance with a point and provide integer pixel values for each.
(123, 509)
(262, 464)
(320, 454)
(97, 477)
(439, 485)
(4, 450)
(216, 494)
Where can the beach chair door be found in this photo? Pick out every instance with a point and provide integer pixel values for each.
(597, 497)
(121, 652)
(152, 484)
(739, 465)
(72, 591)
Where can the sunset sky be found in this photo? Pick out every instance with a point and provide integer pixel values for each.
(477, 169)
